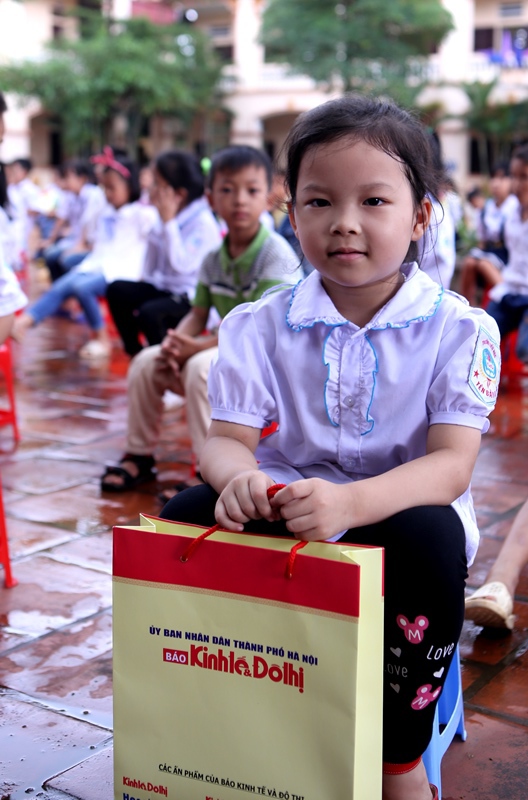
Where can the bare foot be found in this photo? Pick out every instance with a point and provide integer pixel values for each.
(21, 325)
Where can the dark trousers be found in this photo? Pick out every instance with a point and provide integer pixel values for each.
(139, 308)
(510, 314)
(425, 573)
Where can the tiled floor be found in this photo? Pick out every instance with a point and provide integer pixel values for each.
(55, 626)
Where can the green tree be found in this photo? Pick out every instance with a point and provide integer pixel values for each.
(365, 45)
(134, 68)
(496, 127)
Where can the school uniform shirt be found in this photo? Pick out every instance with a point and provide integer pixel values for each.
(120, 242)
(81, 213)
(12, 298)
(515, 273)
(8, 239)
(226, 282)
(492, 218)
(352, 403)
(437, 247)
(177, 248)
(23, 199)
(85, 212)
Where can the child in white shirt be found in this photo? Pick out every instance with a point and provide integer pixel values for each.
(119, 250)
(186, 231)
(380, 381)
(509, 297)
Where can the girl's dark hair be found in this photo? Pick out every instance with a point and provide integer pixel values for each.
(24, 163)
(81, 167)
(521, 153)
(3, 179)
(239, 156)
(380, 123)
(181, 170)
(133, 178)
(3, 187)
(502, 167)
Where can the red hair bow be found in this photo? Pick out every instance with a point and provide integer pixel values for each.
(107, 159)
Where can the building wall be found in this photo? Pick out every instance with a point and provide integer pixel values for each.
(262, 98)
(25, 28)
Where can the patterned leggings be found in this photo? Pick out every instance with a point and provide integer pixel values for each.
(425, 573)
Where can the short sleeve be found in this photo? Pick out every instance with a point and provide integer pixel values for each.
(202, 297)
(467, 374)
(12, 298)
(279, 263)
(241, 385)
(147, 217)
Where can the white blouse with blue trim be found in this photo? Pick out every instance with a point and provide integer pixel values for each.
(353, 403)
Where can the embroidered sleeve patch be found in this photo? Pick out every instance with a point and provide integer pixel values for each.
(484, 373)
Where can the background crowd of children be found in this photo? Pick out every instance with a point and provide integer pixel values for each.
(175, 248)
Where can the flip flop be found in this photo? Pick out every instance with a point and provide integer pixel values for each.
(491, 606)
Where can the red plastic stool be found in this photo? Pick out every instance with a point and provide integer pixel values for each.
(512, 367)
(9, 580)
(8, 415)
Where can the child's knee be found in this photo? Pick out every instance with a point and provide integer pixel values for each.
(143, 365)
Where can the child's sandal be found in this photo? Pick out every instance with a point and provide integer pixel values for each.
(491, 606)
(146, 472)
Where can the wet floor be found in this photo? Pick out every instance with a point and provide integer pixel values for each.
(55, 625)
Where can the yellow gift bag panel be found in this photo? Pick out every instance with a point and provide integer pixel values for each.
(232, 680)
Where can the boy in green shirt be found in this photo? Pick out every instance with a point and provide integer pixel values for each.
(251, 260)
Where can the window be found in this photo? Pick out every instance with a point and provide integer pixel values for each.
(225, 53)
(483, 39)
(219, 31)
(511, 9)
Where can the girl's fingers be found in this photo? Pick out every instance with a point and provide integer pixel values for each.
(292, 492)
(236, 510)
(262, 504)
(302, 529)
(292, 508)
(224, 518)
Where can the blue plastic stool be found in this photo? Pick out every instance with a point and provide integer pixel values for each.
(448, 721)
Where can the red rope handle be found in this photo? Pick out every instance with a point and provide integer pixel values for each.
(195, 542)
(293, 555)
(272, 491)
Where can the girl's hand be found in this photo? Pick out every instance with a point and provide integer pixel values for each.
(244, 498)
(314, 509)
(168, 202)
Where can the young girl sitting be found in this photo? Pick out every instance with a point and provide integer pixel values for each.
(509, 298)
(185, 233)
(483, 265)
(381, 383)
(82, 202)
(119, 250)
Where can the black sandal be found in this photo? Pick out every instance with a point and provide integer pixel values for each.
(167, 494)
(146, 472)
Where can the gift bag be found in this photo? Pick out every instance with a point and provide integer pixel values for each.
(245, 666)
